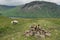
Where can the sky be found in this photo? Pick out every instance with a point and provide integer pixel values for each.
(18, 2)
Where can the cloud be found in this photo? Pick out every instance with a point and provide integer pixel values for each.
(55, 1)
(18, 2)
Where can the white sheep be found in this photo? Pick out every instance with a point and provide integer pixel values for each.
(14, 22)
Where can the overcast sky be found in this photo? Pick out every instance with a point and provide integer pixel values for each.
(18, 2)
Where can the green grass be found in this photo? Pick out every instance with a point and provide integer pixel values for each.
(9, 31)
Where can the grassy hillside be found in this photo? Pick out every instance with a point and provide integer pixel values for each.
(35, 9)
(5, 7)
(9, 31)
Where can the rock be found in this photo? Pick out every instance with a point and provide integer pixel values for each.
(37, 34)
(27, 35)
(48, 34)
(37, 31)
(42, 36)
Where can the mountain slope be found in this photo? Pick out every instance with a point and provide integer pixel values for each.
(35, 9)
(5, 7)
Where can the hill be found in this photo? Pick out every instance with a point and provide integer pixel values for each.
(35, 9)
(5, 7)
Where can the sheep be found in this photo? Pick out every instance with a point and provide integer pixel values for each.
(14, 22)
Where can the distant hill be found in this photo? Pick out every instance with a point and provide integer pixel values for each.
(35, 9)
(5, 7)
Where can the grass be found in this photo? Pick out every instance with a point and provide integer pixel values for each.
(9, 31)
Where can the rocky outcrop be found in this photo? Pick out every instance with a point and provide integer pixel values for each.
(37, 31)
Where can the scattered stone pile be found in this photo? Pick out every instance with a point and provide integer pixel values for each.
(38, 31)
